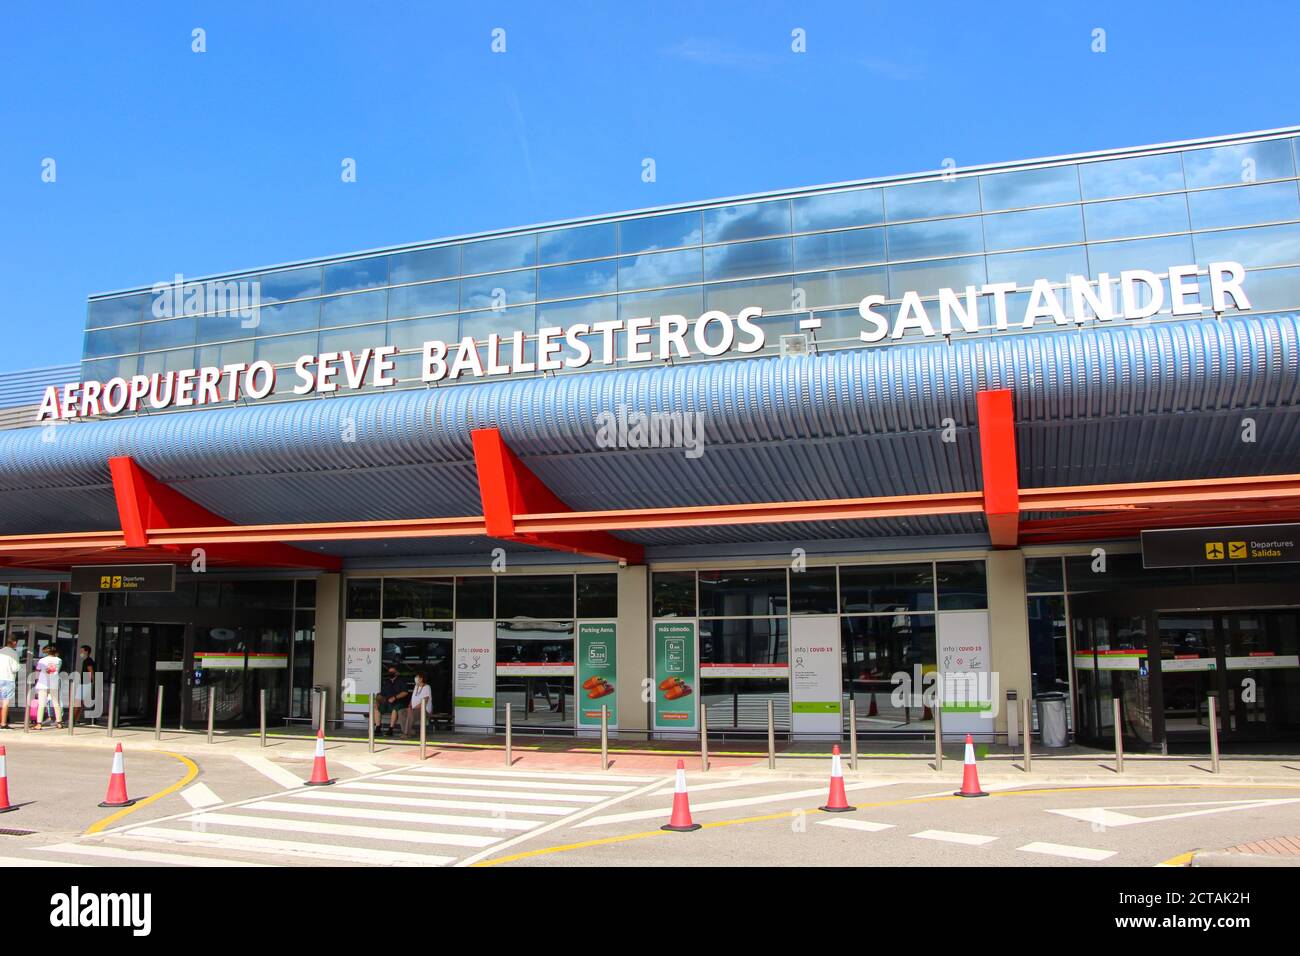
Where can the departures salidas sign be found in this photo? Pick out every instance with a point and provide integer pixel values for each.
(1133, 295)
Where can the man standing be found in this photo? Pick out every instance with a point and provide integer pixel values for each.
(9, 668)
(389, 700)
(85, 678)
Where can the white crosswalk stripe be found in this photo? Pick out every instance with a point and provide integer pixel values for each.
(1069, 852)
(950, 836)
(412, 816)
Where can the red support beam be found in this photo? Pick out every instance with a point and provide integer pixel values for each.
(510, 490)
(145, 505)
(1001, 477)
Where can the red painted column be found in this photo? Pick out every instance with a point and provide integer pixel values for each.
(1001, 476)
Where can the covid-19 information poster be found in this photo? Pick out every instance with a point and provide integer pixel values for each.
(474, 683)
(597, 660)
(676, 676)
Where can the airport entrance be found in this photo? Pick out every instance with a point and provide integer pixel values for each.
(219, 643)
(1163, 652)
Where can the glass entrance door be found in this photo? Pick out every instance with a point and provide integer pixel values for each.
(1191, 668)
(140, 658)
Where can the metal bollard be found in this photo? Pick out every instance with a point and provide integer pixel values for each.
(938, 736)
(853, 734)
(424, 719)
(73, 687)
(370, 726)
(112, 707)
(1119, 737)
(261, 714)
(704, 738)
(771, 736)
(509, 758)
(27, 706)
(1026, 730)
(157, 720)
(604, 737)
(212, 709)
(1214, 734)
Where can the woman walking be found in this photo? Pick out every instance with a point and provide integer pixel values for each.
(47, 687)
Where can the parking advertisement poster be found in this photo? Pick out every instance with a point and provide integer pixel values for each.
(676, 675)
(597, 672)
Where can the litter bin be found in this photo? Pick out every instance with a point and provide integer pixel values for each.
(1051, 720)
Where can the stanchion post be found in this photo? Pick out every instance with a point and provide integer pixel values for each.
(853, 734)
(1025, 730)
(112, 707)
(74, 684)
(212, 709)
(509, 757)
(771, 735)
(938, 736)
(704, 738)
(27, 705)
(261, 715)
(370, 724)
(1119, 737)
(424, 718)
(1214, 734)
(157, 719)
(604, 736)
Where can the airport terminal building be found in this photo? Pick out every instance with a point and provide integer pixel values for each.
(910, 443)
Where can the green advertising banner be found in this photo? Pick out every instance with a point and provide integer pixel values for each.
(675, 675)
(597, 672)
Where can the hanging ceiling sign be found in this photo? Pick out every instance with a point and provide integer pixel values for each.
(1218, 547)
(1133, 295)
(89, 579)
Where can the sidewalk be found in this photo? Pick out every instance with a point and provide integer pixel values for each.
(902, 761)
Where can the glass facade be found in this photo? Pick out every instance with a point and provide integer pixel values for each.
(887, 622)
(817, 253)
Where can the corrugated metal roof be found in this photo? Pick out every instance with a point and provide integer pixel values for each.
(28, 387)
(1096, 405)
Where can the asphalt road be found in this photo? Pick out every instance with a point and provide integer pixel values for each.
(249, 808)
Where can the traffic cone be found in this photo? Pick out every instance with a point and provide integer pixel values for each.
(838, 802)
(117, 783)
(681, 818)
(5, 805)
(872, 711)
(320, 777)
(970, 779)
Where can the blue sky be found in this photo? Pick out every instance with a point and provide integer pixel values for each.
(172, 161)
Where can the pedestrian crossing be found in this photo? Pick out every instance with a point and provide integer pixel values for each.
(416, 816)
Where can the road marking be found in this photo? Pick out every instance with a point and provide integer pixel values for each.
(1108, 817)
(199, 796)
(537, 774)
(721, 804)
(517, 783)
(477, 858)
(1070, 852)
(393, 816)
(724, 785)
(950, 836)
(192, 771)
(250, 844)
(273, 771)
(221, 818)
(361, 766)
(542, 809)
(142, 856)
(472, 791)
(481, 859)
(865, 826)
(35, 861)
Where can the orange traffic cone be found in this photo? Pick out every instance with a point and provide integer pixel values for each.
(681, 818)
(970, 779)
(5, 805)
(838, 801)
(320, 777)
(117, 783)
